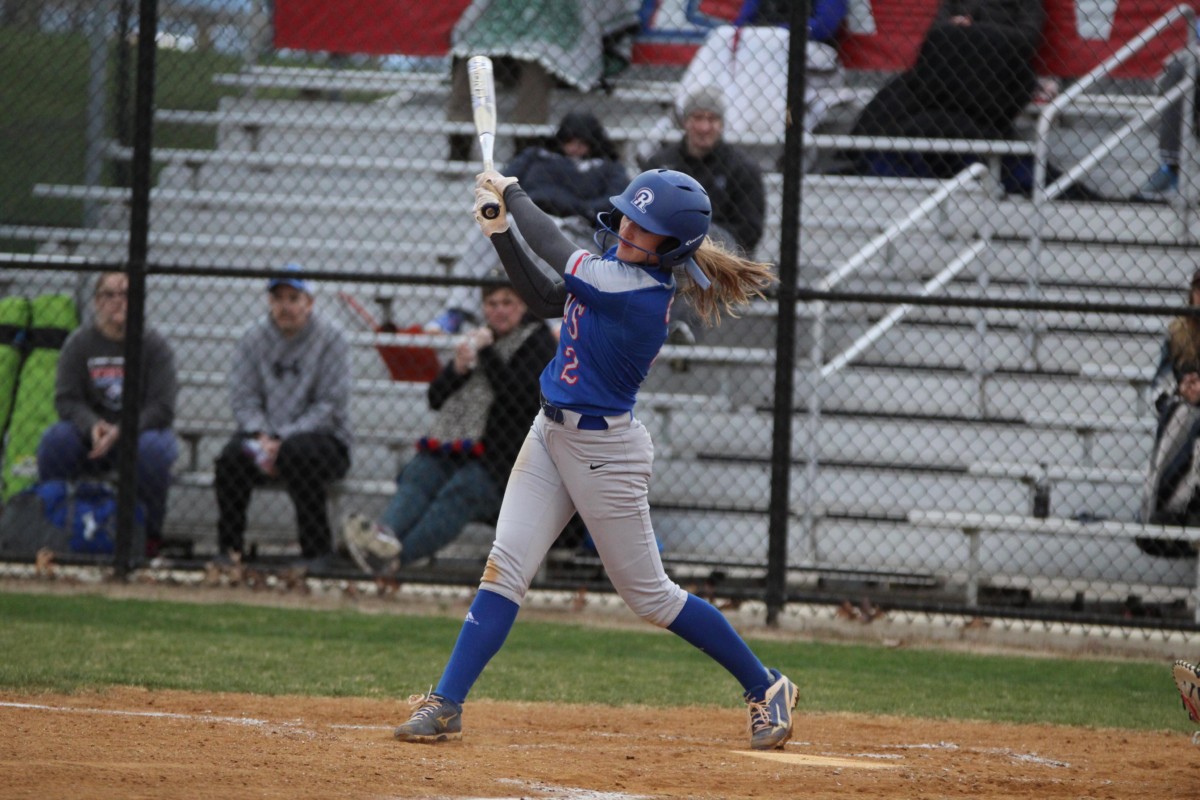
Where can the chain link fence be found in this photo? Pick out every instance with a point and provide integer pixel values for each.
(983, 226)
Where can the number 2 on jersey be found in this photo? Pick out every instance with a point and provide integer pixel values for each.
(568, 374)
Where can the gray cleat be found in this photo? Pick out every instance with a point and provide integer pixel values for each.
(435, 719)
(771, 717)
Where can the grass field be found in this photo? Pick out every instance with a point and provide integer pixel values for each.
(73, 643)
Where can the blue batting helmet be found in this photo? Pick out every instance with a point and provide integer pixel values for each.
(670, 204)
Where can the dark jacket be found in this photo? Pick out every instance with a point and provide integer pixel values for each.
(734, 184)
(515, 402)
(968, 82)
(1025, 17)
(563, 186)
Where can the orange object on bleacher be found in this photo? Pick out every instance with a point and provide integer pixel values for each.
(403, 362)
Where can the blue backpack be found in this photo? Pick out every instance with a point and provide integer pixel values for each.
(66, 517)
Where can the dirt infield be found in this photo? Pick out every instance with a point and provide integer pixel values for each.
(130, 743)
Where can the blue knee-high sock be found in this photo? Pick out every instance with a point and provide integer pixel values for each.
(705, 628)
(488, 622)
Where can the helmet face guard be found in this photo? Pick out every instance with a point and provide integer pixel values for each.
(609, 222)
(666, 203)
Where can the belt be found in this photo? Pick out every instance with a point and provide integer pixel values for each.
(584, 422)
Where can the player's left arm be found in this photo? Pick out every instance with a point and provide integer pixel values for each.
(544, 294)
(538, 228)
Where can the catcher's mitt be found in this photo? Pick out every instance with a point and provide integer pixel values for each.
(1187, 678)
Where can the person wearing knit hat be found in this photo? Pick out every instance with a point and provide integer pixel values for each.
(706, 98)
(732, 179)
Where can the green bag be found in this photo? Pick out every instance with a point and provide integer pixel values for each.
(14, 324)
(52, 317)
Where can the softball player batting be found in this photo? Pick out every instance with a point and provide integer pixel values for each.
(586, 451)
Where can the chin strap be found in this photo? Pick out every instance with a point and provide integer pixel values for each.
(697, 274)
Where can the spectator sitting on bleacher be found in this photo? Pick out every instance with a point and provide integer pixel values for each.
(88, 395)
(1170, 492)
(974, 74)
(1180, 348)
(732, 179)
(571, 178)
(290, 391)
(458, 475)
(1163, 183)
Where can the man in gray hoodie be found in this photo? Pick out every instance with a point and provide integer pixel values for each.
(290, 390)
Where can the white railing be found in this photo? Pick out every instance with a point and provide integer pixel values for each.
(822, 371)
(1053, 110)
(1043, 194)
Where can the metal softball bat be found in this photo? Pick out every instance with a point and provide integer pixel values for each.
(483, 108)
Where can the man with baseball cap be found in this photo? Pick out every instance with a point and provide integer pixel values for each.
(290, 390)
(732, 179)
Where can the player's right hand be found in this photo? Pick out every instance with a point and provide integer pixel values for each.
(499, 223)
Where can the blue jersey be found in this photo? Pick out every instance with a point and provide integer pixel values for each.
(614, 324)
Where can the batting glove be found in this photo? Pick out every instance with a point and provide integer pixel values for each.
(497, 224)
(491, 179)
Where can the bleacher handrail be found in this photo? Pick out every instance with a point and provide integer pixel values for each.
(823, 371)
(893, 317)
(1052, 110)
(922, 212)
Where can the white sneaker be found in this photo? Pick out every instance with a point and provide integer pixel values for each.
(372, 546)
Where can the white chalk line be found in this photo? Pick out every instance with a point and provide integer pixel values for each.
(296, 725)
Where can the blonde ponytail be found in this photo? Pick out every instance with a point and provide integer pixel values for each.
(735, 282)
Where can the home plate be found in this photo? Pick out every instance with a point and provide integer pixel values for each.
(817, 761)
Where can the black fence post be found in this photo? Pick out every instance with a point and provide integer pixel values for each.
(139, 229)
(785, 335)
(121, 84)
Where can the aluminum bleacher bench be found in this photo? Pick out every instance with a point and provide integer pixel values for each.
(341, 121)
(72, 238)
(255, 121)
(973, 524)
(1137, 377)
(242, 199)
(329, 80)
(411, 83)
(1086, 427)
(194, 159)
(1042, 477)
